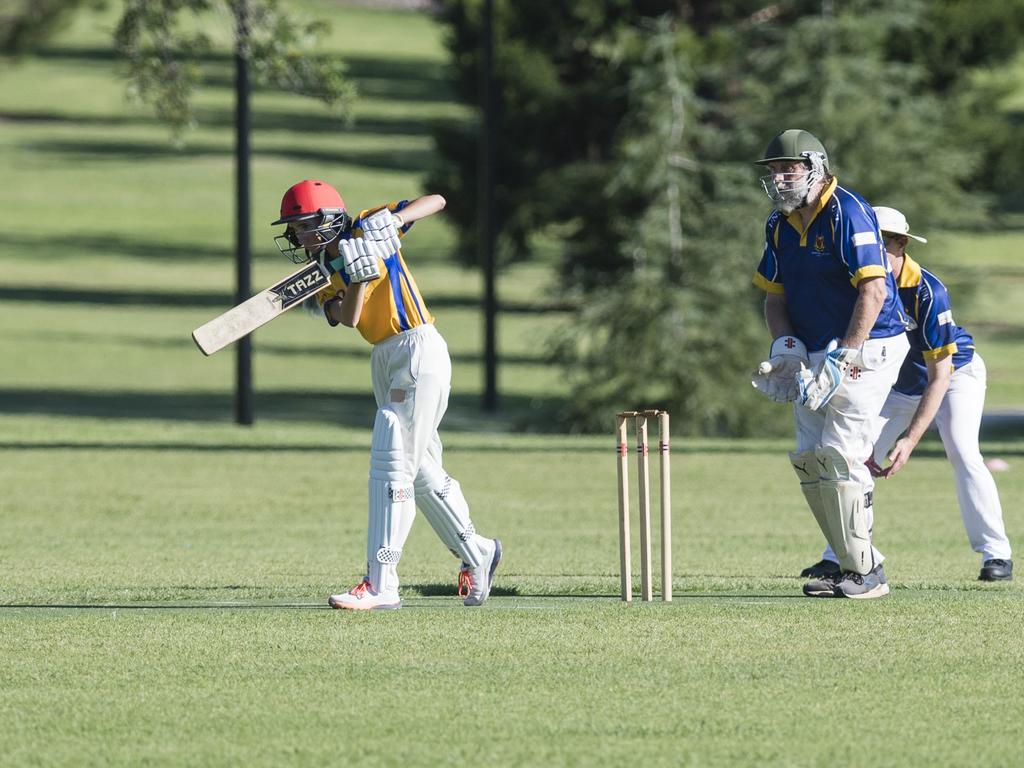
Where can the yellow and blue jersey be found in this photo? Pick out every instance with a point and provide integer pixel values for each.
(933, 334)
(393, 302)
(819, 268)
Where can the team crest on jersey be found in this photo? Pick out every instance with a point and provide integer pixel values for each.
(819, 243)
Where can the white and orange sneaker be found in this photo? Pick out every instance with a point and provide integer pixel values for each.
(363, 598)
(475, 583)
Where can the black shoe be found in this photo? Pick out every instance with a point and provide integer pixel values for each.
(825, 586)
(819, 569)
(996, 570)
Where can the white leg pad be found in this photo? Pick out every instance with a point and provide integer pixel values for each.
(440, 499)
(843, 500)
(808, 471)
(392, 502)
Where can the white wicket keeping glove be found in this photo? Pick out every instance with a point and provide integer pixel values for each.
(360, 258)
(817, 386)
(776, 376)
(381, 228)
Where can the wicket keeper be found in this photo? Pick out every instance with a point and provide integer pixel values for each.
(839, 338)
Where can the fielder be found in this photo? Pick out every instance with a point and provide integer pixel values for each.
(373, 291)
(942, 379)
(839, 339)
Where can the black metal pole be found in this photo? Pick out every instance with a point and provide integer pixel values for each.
(243, 247)
(488, 212)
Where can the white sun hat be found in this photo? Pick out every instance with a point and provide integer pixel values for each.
(895, 223)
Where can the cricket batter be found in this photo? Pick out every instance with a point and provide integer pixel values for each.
(943, 379)
(838, 342)
(373, 291)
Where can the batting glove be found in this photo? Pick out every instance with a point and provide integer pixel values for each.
(819, 385)
(360, 259)
(382, 229)
(776, 376)
(873, 468)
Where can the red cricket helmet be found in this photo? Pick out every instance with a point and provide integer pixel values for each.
(311, 199)
(307, 198)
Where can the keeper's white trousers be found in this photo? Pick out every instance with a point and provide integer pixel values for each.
(848, 422)
(958, 421)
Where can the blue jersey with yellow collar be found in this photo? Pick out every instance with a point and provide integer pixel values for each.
(933, 334)
(819, 268)
(393, 302)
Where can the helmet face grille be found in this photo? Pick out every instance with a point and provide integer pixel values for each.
(330, 225)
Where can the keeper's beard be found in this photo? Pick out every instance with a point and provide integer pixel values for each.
(789, 201)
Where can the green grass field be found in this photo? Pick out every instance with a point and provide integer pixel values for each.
(164, 574)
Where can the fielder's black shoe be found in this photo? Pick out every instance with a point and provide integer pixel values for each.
(825, 586)
(819, 569)
(996, 570)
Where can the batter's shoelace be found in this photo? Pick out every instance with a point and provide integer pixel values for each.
(465, 582)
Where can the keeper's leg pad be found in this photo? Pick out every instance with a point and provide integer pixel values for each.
(843, 500)
(440, 499)
(392, 502)
(805, 463)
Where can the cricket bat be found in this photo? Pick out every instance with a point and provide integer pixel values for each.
(245, 318)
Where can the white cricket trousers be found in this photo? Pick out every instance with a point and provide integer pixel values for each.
(412, 374)
(958, 421)
(848, 422)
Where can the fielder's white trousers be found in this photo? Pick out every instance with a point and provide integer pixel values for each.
(848, 422)
(958, 421)
(412, 374)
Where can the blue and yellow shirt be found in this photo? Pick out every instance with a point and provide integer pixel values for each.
(933, 334)
(819, 268)
(393, 302)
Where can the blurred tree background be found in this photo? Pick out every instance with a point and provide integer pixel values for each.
(626, 139)
(627, 134)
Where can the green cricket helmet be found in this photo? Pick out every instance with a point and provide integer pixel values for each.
(793, 144)
(790, 191)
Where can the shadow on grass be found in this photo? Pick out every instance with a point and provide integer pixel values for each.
(115, 243)
(119, 298)
(449, 589)
(396, 159)
(222, 300)
(385, 77)
(328, 351)
(306, 122)
(344, 408)
(349, 409)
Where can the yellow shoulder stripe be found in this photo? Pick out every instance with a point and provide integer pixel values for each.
(871, 270)
(767, 285)
(941, 353)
